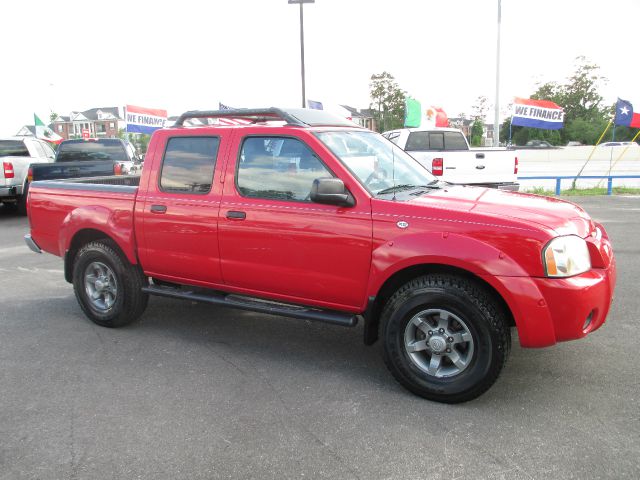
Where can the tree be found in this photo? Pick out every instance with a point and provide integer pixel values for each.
(52, 116)
(477, 129)
(585, 117)
(387, 101)
(481, 108)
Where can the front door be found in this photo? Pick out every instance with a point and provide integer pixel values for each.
(275, 242)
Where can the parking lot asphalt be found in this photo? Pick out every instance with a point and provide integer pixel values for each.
(197, 392)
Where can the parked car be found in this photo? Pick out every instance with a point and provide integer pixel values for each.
(311, 217)
(90, 158)
(537, 144)
(445, 152)
(16, 154)
(574, 144)
(618, 144)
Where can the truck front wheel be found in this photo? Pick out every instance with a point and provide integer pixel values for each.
(445, 338)
(107, 286)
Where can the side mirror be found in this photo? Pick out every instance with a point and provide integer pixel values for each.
(331, 191)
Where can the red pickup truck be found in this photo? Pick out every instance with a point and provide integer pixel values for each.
(302, 214)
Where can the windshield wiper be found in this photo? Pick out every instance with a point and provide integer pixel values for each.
(406, 186)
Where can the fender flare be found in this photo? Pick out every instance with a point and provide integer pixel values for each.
(116, 225)
(460, 251)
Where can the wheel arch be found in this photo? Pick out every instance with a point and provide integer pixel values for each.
(80, 239)
(399, 278)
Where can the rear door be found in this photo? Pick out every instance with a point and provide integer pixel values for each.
(275, 242)
(180, 213)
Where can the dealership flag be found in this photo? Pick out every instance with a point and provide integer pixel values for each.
(537, 114)
(417, 116)
(44, 132)
(412, 113)
(144, 120)
(625, 115)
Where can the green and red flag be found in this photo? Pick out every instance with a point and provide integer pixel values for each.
(45, 133)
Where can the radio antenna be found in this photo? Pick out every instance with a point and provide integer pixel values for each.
(393, 171)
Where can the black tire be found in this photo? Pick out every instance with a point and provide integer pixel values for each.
(21, 203)
(125, 301)
(471, 312)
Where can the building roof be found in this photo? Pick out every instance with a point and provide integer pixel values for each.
(93, 114)
(353, 111)
(27, 130)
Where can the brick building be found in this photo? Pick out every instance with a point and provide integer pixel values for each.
(101, 123)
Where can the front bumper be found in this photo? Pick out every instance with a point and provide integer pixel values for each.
(551, 310)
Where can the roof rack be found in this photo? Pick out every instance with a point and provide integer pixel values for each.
(254, 114)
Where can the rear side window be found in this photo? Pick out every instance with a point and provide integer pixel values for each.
(40, 150)
(188, 164)
(13, 148)
(278, 168)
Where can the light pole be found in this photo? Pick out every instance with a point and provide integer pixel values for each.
(302, 2)
(496, 125)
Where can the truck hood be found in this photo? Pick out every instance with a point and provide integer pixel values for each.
(563, 217)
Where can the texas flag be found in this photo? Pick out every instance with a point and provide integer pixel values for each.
(625, 115)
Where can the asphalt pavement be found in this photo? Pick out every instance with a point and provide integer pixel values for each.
(198, 392)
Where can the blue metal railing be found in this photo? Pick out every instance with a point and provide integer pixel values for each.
(559, 179)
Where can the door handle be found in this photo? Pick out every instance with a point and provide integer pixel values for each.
(158, 208)
(480, 167)
(236, 215)
(479, 155)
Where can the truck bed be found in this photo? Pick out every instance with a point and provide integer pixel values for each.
(103, 204)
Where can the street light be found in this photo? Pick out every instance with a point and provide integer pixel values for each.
(496, 124)
(302, 2)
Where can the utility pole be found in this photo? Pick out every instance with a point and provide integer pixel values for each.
(496, 124)
(301, 3)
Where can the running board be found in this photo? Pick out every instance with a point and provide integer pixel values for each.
(256, 305)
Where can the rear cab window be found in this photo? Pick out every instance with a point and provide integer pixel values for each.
(73, 151)
(13, 148)
(188, 165)
(425, 141)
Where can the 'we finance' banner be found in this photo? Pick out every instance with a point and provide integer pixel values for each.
(537, 114)
(144, 120)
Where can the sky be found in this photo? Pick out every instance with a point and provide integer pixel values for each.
(181, 55)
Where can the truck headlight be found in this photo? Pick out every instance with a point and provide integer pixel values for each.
(566, 256)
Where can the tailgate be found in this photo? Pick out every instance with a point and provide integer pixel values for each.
(473, 166)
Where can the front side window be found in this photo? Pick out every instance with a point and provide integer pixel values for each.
(278, 168)
(188, 164)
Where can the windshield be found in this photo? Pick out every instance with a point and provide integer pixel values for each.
(378, 164)
(72, 151)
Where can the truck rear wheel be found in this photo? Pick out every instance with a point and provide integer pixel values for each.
(445, 338)
(107, 286)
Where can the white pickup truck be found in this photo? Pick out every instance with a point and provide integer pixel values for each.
(16, 154)
(446, 154)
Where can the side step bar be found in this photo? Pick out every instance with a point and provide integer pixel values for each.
(256, 305)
